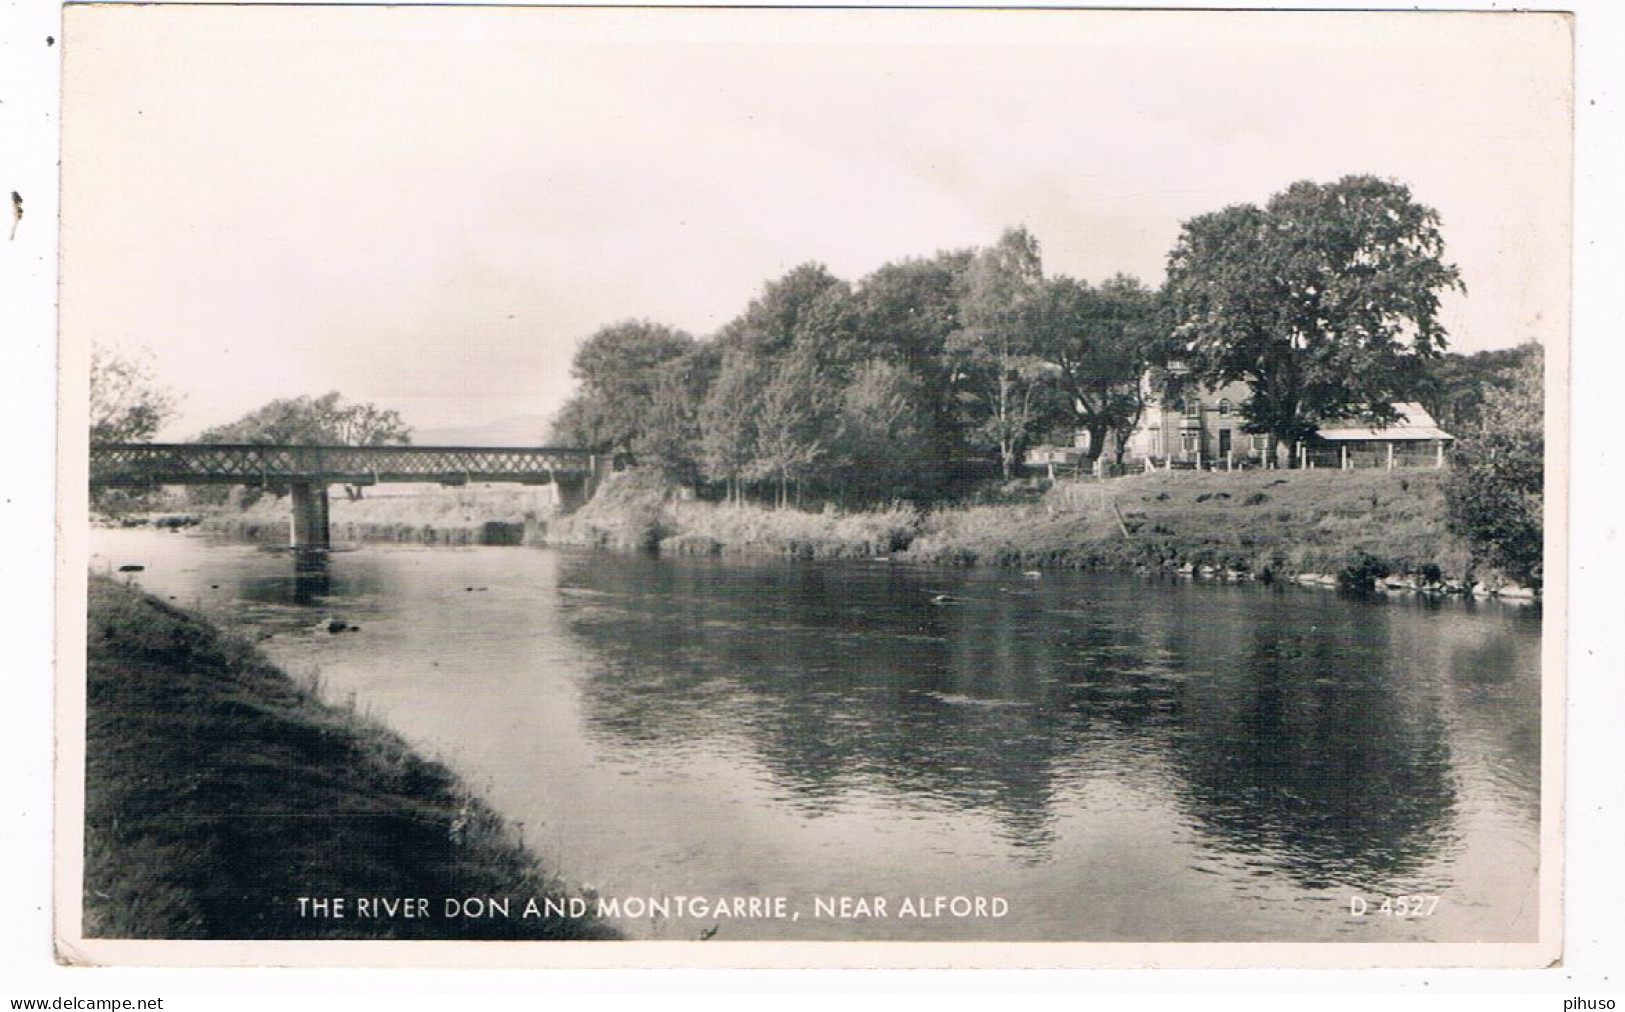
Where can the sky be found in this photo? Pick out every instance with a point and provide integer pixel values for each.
(430, 208)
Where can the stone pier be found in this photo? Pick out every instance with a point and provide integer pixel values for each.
(574, 491)
(310, 528)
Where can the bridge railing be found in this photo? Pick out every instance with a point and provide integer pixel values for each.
(259, 464)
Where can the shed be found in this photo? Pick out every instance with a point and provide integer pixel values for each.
(1413, 440)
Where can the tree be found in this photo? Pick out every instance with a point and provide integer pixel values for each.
(728, 422)
(1100, 341)
(792, 422)
(1325, 302)
(881, 446)
(993, 364)
(908, 309)
(367, 424)
(312, 421)
(127, 403)
(617, 368)
(808, 303)
(907, 312)
(1455, 386)
(1495, 492)
(671, 435)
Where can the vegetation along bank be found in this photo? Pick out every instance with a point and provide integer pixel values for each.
(1355, 529)
(219, 792)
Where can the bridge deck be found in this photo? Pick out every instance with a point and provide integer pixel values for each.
(115, 464)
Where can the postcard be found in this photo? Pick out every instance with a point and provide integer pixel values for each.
(812, 487)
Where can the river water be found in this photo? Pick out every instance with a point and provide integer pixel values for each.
(1109, 757)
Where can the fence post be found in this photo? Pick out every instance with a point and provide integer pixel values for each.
(1390, 454)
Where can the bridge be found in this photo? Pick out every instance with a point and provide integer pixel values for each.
(308, 470)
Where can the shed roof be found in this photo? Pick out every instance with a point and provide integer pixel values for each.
(1414, 424)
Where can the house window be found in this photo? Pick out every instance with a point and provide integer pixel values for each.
(1224, 407)
(1193, 407)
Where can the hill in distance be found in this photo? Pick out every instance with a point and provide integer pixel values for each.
(514, 430)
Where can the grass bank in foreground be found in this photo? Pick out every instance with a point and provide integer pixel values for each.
(1247, 525)
(218, 792)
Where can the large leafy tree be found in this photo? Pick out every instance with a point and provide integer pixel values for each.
(908, 309)
(995, 371)
(809, 304)
(127, 402)
(1325, 301)
(728, 422)
(793, 422)
(670, 440)
(1100, 342)
(314, 421)
(617, 368)
(907, 312)
(309, 421)
(768, 418)
(882, 445)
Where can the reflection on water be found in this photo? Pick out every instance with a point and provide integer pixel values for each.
(1120, 758)
(1317, 753)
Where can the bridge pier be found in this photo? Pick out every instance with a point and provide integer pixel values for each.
(575, 491)
(310, 530)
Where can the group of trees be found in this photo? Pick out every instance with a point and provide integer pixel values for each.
(129, 405)
(1324, 302)
(924, 370)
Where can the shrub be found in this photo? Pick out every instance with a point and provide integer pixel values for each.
(1360, 573)
(1494, 495)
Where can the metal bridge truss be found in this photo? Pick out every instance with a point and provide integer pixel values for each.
(139, 464)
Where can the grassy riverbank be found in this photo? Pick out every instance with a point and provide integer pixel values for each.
(218, 792)
(1251, 525)
(1248, 524)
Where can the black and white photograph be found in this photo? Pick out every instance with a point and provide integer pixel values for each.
(980, 487)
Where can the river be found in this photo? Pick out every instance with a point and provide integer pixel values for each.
(1110, 757)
